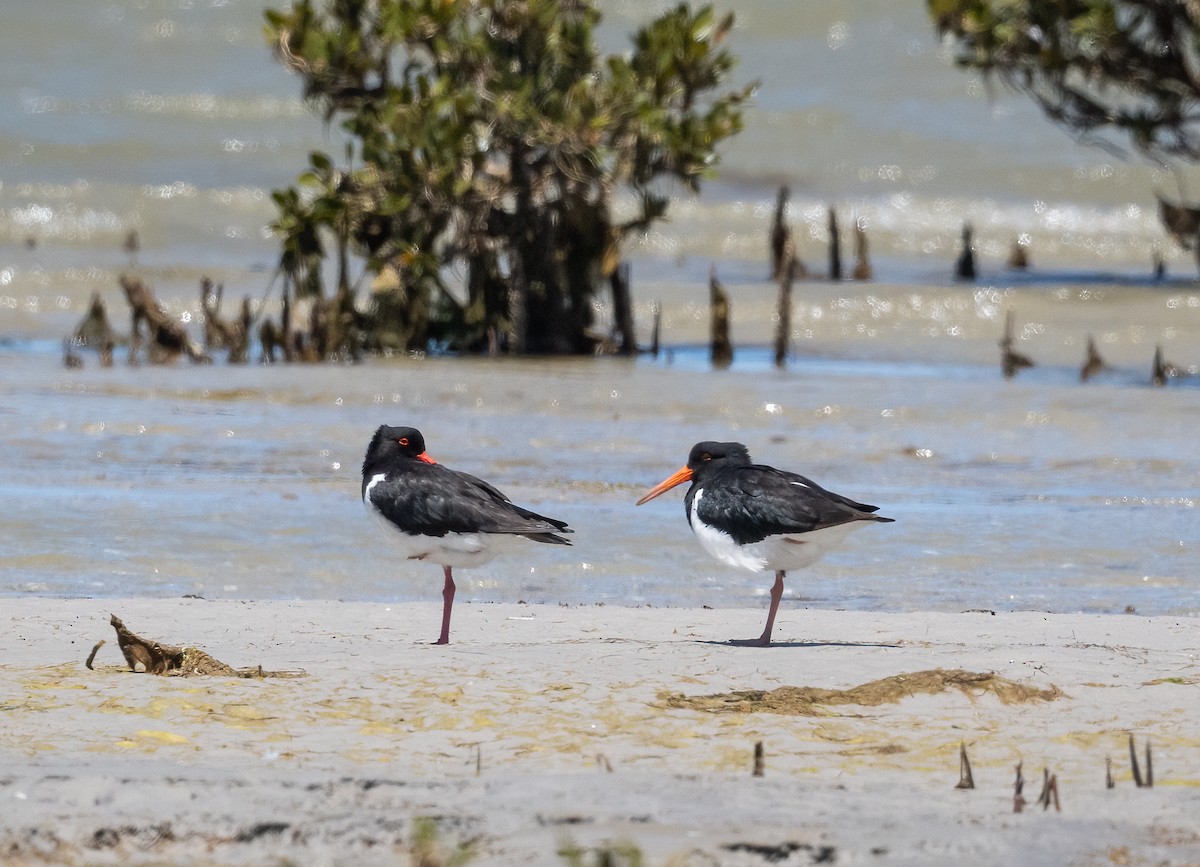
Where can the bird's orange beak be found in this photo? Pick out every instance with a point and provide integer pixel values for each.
(683, 475)
(424, 456)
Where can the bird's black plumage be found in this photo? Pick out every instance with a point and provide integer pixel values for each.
(753, 501)
(428, 499)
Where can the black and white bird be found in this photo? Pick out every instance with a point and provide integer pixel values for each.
(441, 515)
(756, 517)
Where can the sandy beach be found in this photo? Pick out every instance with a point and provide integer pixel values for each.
(597, 729)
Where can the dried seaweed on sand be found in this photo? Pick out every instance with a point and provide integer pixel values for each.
(811, 701)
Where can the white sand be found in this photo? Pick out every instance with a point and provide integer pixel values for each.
(505, 738)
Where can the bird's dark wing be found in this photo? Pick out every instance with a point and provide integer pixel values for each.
(754, 502)
(846, 501)
(508, 508)
(433, 500)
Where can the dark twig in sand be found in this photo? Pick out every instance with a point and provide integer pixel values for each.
(92, 656)
(603, 763)
(1141, 782)
(965, 778)
(758, 758)
(1018, 787)
(1108, 777)
(1137, 772)
(1049, 791)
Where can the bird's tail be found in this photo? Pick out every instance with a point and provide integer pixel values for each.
(551, 538)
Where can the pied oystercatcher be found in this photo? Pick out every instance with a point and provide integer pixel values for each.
(756, 517)
(442, 515)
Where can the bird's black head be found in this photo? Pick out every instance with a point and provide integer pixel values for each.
(702, 459)
(707, 455)
(395, 443)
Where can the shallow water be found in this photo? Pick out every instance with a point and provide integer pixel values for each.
(243, 483)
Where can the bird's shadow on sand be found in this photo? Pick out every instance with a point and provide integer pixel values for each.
(740, 645)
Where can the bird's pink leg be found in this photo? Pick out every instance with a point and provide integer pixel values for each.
(764, 640)
(447, 604)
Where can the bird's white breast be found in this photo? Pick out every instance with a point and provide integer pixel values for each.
(720, 544)
(790, 551)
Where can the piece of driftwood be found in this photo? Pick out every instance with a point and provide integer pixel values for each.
(1181, 222)
(862, 258)
(270, 340)
(625, 332)
(964, 267)
(835, 247)
(153, 657)
(167, 340)
(656, 329)
(1010, 360)
(1018, 256)
(781, 234)
(219, 333)
(239, 353)
(783, 314)
(92, 656)
(94, 332)
(1093, 364)
(71, 358)
(1162, 370)
(721, 347)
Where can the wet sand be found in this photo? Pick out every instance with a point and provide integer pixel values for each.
(544, 727)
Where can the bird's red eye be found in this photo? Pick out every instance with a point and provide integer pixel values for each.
(403, 441)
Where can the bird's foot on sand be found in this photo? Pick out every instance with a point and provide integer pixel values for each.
(761, 641)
